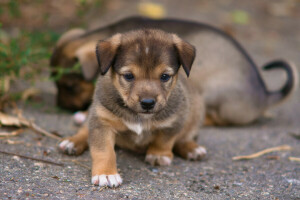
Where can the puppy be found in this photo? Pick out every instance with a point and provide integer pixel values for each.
(143, 101)
(233, 90)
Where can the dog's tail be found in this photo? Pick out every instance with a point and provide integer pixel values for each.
(290, 86)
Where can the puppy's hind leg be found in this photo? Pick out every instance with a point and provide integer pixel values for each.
(76, 144)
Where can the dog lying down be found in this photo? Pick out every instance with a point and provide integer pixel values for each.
(232, 88)
(143, 100)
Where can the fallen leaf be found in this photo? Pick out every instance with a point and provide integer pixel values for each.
(14, 142)
(8, 120)
(240, 17)
(152, 10)
(14, 133)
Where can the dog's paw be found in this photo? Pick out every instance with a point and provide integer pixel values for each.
(79, 117)
(71, 147)
(107, 180)
(68, 147)
(158, 160)
(197, 154)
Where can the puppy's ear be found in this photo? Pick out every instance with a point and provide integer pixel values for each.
(106, 51)
(88, 60)
(186, 53)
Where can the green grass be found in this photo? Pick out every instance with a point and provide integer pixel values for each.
(27, 49)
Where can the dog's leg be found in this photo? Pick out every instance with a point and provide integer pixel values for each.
(76, 144)
(208, 121)
(213, 119)
(190, 150)
(104, 166)
(159, 151)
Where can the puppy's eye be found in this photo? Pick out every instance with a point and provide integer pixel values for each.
(128, 77)
(165, 77)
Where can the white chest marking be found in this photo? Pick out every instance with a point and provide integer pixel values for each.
(147, 50)
(135, 127)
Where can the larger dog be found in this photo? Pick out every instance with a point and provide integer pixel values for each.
(232, 87)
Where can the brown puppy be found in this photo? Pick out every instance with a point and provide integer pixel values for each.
(233, 89)
(143, 102)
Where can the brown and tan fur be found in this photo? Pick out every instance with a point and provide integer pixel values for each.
(118, 116)
(233, 90)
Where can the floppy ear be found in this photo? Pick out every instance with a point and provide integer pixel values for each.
(88, 60)
(186, 53)
(106, 51)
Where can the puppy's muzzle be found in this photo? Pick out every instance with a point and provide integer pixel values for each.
(147, 104)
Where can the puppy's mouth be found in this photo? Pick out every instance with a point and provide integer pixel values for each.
(147, 112)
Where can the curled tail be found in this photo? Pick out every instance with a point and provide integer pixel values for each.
(291, 84)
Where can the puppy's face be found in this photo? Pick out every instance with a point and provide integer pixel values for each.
(74, 93)
(144, 66)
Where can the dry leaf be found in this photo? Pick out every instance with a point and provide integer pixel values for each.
(8, 120)
(14, 142)
(240, 17)
(152, 10)
(14, 133)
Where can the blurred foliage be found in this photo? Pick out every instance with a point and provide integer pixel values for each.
(19, 53)
(25, 54)
(25, 49)
(240, 17)
(60, 71)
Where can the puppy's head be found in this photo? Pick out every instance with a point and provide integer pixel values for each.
(74, 87)
(144, 66)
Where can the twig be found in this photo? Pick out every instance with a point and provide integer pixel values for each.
(78, 162)
(260, 153)
(21, 121)
(31, 158)
(12, 134)
(294, 159)
(82, 165)
(43, 131)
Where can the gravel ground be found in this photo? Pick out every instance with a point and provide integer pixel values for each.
(269, 34)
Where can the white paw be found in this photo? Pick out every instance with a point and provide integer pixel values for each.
(158, 160)
(107, 180)
(79, 117)
(67, 147)
(197, 154)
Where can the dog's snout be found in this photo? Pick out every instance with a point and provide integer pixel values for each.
(147, 104)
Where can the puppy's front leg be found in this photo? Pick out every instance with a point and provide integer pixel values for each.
(160, 149)
(104, 166)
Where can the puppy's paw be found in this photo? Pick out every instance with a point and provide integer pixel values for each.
(79, 117)
(114, 180)
(69, 147)
(197, 153)
(158, 160)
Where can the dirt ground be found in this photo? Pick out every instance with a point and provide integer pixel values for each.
(270, 30)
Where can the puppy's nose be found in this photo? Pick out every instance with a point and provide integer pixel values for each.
(147, 104)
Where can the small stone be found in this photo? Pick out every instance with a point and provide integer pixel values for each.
(216, 187)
